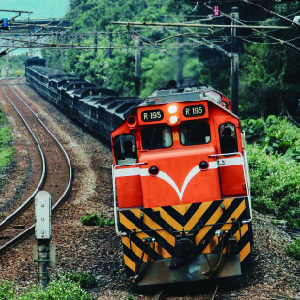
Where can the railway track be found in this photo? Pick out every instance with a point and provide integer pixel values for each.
(53, 165)
(212, 295)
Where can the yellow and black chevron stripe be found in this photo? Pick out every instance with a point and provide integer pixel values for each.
(164, 223)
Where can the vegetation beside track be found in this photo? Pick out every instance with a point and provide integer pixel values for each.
(6, 151)
(95, 220)
(293, 249)
(62, 289)
(274, 154)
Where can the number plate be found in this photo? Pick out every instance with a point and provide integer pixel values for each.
(152, 115)
(194, 111)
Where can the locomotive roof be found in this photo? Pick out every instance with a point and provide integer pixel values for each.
(183, 94)
(47, 72)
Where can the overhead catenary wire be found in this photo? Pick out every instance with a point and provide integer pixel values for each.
(211, 26)
(271, 12)
(264, 43)
(285, 43)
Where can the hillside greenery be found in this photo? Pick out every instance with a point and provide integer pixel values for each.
(273, 155)
(16, 65)
(268, 72)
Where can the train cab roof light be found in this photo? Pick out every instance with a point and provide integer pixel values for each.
(172, 109)
(173, 120)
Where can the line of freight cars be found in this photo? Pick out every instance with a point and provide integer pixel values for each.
(97, 108)
(182, 201)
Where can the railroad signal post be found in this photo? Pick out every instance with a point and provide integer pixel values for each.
(43, 252)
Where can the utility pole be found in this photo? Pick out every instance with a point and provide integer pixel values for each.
(137, 79)
(234, 64)
(62, 57)
(180, 60)
(96, 44)
(110, 37)
(7, 63)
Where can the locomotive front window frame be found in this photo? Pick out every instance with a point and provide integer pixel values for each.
(125, 151)
(228, 138)
(193, 135)
(163, 139)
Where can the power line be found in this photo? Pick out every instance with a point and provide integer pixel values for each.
(285, 43)
(271, 12)
(210, 26)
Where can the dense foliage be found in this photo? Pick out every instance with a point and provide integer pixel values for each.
(293, 249)
(268, 72)
(275, 175)
(63, 289)
(15, 65)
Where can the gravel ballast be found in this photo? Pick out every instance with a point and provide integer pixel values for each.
(271, 275)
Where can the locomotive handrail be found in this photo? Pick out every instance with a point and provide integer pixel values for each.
(129, 165)
(118, 232)
(247, 181)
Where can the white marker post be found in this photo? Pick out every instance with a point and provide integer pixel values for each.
(43, 235)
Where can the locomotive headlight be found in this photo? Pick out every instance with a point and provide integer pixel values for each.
(173, 119)
(172, 109)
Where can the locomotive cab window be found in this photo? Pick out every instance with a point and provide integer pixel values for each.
(228, 139)
(156, 137)
(194, 133)
(125, 149)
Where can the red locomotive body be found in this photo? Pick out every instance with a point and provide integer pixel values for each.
(181, 185)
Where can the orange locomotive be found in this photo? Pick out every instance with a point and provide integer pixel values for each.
(181, 188)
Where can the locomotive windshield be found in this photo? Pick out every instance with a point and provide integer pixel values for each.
(228, 139)
(125, 149)
(156, 137)
(194, 133)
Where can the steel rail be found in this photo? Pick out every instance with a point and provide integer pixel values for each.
(214, 293)
(160, 295)
(30, 230)
(9, 219)
(68, 189)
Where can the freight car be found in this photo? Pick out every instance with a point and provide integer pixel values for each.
(97, 108)
(180, 177)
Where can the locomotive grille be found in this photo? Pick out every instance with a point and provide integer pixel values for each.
(200, 220)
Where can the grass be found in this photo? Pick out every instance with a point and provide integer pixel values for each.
(85, 279)
(6, 151)
(95, 220)
(60, 289)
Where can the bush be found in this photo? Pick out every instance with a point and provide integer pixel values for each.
(275, 135)
(274, 173)
(293, 249)
(62, 289)
(7, 291)
(85, 279)
(275, 185)
(95, 220)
